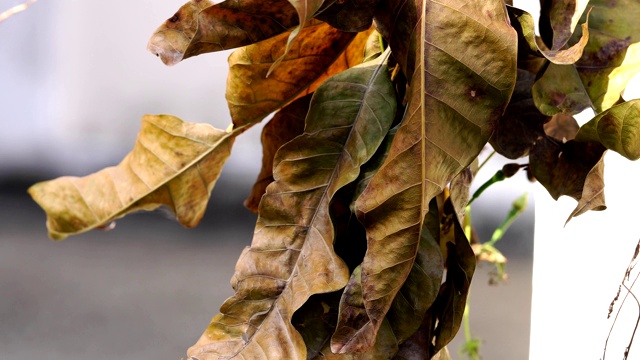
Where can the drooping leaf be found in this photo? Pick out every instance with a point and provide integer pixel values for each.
(285, 125)
(562, 127)
(320, 52)
(348, 15)
(173, 163)
(449, 306)
(592, 197)
(521, 123)
(305, 9)
(291, 256)
(617, 129)
(460, 188)
(560, 90)
(561, 17)
(610, 59)
(355, 331)
(464, 73)
(523, 22)
(201, 27)
(562, 167)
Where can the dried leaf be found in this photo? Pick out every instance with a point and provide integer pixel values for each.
(291, 256)
(521, 124)
(562, 167)
(610, 59)
(173, 163)
(456, 97)
(348, 15)
(305, 9)
(592, 197)
(285, 125)
(356, 333)
(523, 22)
(450, 303)
(320, 52)
(201, 27)
(560, 90)
(562, 127)
(617, 129)
(561, 17)
(460, 191)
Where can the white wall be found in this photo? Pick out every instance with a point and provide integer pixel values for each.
(76, 78)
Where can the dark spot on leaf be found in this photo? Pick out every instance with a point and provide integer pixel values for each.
(175, 18)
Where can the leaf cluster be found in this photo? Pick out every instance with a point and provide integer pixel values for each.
(381, 108)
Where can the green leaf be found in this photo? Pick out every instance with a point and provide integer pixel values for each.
(610, 59)
(458, 91)
(173, 163)
(617, 129)
(320, 52)
(201, 27)
(291, 256)
(524, 25)
(285, 125)
(348, 15)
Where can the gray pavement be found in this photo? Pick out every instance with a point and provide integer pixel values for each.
(147, 289)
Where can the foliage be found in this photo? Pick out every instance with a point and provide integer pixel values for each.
(382, 108)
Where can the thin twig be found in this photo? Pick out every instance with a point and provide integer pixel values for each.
(16, 9)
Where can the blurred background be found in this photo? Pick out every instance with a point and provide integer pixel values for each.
(75, 80)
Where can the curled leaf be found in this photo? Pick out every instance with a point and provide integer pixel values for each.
(320, 52)
(294, 230)
(348, 15)
(462, 76)
(618, 129)
(173, 163)
(201, 27)
(524, 25)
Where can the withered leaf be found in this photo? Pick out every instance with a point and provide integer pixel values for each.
(173, 163)
(559, 19)
(609, 60)
(348, 15)
(291, 256)
(201, 27)
(524, 25)
(562, 127)
(320, 52)
(564, 168)
(455, 99)
(285, 125)
(521, 123)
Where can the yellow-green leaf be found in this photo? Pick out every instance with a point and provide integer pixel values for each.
(465, 71)
(618, 129)
(173, 163)
(320, 52)
(200, 27)
(609, 60)
(291, 256)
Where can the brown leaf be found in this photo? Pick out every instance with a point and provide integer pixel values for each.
(563, 17)
(285, 125)
(562, 127)
(592, 197)
(562, 168)
(291, 256)
(200, 27)
(348, 15)
(458, 90)
(320, 52)
(173, 163)
(521, 124)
